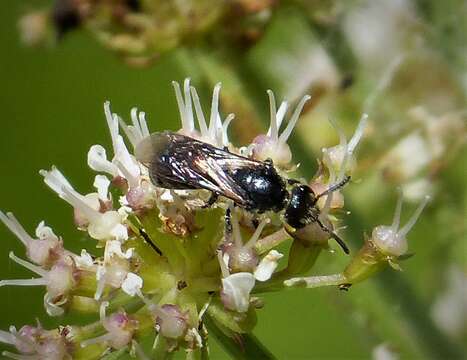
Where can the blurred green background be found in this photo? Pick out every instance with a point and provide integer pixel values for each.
(52, 109)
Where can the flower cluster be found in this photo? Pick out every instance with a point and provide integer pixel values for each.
(169, 260)
(140, 30)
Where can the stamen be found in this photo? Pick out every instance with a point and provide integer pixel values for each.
(199, 113)
(236, 231)
(132, 181)
(358, 134)
(24, 282)
(214, 109)
(257, 234)
(397, 214)
(96, 340)
(19, 357)
(143, 125)
(6, 337)
(75, 200)
(273, 122)
(34, 268)
(112, 123)
(188, 107)
(55, 180)
(102, 309)
(293, 120)
(224, 269)
(279, 116)
(340, 132)
(15, 227)
(225, 126)
(408, 226)
(181, 105)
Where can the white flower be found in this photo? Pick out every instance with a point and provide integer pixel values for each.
(390, 240)
(340, 159)
(216, 132)
(35, 343)
(377, 31)
(97, 161)
(132, 284)
(59, 280)
(451, 303)
(407, 158)
(274, 146)
(119, 326)
(236, 290)
(267, 265)
(123, 163)
(43, 250)
(84, 260)
(383, 352)
(114, 269)
(100, 226)
(139, 130)
(101, 183)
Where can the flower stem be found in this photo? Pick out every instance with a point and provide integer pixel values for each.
(244, 346)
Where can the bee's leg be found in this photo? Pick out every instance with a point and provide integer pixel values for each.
(212, 199)
(255, 222)
(333, 187)
(293, 181)
(148, 240)
(228, 221)
(341, 242)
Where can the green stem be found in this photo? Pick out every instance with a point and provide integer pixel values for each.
(244, 346)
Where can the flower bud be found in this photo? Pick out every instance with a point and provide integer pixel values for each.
(172, 322)
(45, 249)
(274, 146)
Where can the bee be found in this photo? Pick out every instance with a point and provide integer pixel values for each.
(180, 162)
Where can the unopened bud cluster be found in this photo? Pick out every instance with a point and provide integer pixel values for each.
(168, 260)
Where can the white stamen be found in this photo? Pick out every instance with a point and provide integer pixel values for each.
(102, 309)
(112, 123)
(223, 265)
(274, 130)
(96, 340)
(15, 227)
(279, 116)
(409, 225)
(357, 134)
(199, 113)
(397, 215)
(24, 282)
(34, 268)
(214, 110)
(101, 183)
(293, 120)
(188, 107)
(6, 337)
(257, 233)
(225, 126)
(55, 180)
(97, 161)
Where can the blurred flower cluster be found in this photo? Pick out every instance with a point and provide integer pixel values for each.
(167, 261)
(142, 30)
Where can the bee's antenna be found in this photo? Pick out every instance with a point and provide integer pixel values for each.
(341, 242)
(333, 187)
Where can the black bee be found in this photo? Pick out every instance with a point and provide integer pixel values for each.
(180, 162)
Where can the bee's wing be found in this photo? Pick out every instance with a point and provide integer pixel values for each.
(179, 162)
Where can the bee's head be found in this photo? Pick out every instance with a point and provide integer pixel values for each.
(301, 206)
